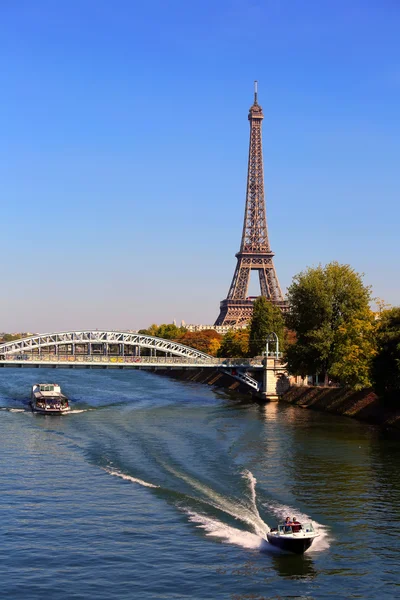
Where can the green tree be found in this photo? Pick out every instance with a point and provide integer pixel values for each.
(334, 325)
(170, 331)
(386, 363)
(152, 330)
(10, 337)
(266, 318)
(167, 331)
(235, 344)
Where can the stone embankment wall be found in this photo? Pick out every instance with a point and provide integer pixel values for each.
(210, 377)
(363, 405)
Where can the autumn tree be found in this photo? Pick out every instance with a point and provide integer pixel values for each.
(266, 318)
(334, 325)
(207, 341)
(386, 363)
(235, 344)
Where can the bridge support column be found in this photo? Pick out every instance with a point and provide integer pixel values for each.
(269, 391)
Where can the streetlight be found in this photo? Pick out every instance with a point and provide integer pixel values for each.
(272, 337)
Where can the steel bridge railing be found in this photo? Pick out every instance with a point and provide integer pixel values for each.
(157, 360)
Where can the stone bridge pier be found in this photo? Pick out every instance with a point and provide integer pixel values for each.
(275, 379)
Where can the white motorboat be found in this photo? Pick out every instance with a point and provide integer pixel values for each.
(47, 399)
(296, 537)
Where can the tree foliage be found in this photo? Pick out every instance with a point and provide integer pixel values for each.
(207, 341)
(386, 363)
(333, 323)
(167, 331)
(266, 318)
(235, 343)
(10, 337)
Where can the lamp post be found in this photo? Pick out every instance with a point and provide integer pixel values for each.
(272, 337)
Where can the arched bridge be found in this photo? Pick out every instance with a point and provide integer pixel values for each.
(118, 349)
(97, 343)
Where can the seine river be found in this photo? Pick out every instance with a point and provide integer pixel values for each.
(157, 489)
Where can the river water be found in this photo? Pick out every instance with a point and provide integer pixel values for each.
(159, 489)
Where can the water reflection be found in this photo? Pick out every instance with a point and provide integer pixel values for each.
(270, 411)
(294, 567)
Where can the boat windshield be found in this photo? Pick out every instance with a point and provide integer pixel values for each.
(307, 527)
(46, 387)
(285, 529)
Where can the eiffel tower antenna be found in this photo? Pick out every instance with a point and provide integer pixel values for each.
(255, 252)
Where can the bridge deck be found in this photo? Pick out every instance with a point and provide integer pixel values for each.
(119, 362)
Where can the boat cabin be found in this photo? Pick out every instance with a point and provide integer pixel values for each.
(47, 389)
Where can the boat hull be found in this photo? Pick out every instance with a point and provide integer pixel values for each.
(48, 411)
(290, 544)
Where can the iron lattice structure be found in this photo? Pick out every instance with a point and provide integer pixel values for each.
(255, 252)
(105, 339)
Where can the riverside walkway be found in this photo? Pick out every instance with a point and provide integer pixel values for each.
(110, 361)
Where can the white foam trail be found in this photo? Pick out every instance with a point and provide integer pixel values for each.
(77, 411)
(228, 534)
(238, 510)
(252, 485)
(15, 410)
(234, 509)
(282, 511)
(133, 479)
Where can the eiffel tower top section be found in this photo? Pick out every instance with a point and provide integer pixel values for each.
(255, 232)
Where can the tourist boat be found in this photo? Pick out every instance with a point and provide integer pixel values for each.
(47, 399)
(295, 538)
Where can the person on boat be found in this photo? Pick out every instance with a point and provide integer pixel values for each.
(296, 526)
(287, 524)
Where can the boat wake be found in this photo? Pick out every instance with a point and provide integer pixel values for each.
(13, 410)
(230, 535)
(130, 478)
(245, 511)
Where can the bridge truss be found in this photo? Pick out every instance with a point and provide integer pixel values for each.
(104, 349)
(98, 342)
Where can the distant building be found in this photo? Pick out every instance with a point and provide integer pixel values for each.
(222, 329)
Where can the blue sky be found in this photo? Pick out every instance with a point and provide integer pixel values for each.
(124, 143)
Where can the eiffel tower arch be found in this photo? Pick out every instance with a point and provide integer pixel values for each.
(255, 252)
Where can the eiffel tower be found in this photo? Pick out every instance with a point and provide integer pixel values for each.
(255, 253)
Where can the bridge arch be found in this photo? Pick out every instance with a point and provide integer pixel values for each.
(91, 338)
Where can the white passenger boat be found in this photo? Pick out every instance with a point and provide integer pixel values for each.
(47, 399)
(296, 537)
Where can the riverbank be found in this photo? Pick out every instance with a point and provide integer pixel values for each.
(363, 405)
(208, 376)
